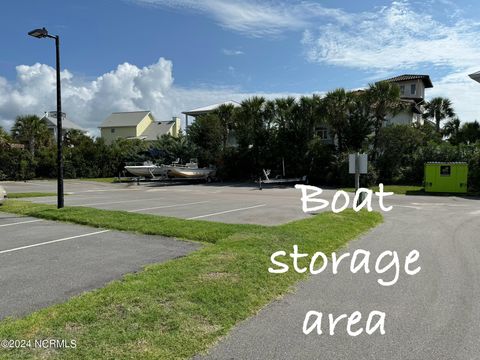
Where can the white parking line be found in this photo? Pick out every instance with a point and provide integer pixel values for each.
(21, 222)
(169, 206)
(225, 212)
(52, 241)
(409, 207)
(116, 202)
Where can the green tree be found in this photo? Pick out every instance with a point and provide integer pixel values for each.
(225, 114)
(359, 123)
(451, 130)
(254, 125)
(384, 100)
(207, 134)
(31, 131)
(397, 145)
(336, 110)
(4, 138)
(438, 109)
(469, 133)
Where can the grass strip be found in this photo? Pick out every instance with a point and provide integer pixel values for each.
(134, 222)
(30, 194)
(180, 308)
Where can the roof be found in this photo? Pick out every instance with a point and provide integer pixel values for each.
(124, 119)
(408, 77)
(66, 123)
(209, 108)
(157, 129)
(475, 76)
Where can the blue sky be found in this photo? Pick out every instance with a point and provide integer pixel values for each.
(173, 55)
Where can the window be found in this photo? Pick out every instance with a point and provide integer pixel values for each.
(413, 89)
(402, 89)
(322, 133)
(112, 130)
(445, 170)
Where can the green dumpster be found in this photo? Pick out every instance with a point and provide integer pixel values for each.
(449, 177)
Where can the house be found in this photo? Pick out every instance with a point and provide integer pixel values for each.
(208, 110)
(137, 125)
(50, 118)
(412, 93)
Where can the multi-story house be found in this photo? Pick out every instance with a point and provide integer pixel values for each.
(412, 93)
(137, 125)
(50, 118)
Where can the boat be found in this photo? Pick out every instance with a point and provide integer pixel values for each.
(279, 180)
(148, 170)
(190, 171)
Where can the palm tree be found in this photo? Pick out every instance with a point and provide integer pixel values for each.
(31, 130)
(451, 129)
(439, 109)
(225, 113)
(336, 109)
(359, 123)
(253, 129)
(469, 133)
(384, 100)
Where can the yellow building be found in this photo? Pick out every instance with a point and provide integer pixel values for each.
(137, 125)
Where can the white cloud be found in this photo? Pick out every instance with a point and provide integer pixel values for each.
(463, 91)
(254, 17)
(393, 37)
(127, 88)
(396, 37)
(230, 52)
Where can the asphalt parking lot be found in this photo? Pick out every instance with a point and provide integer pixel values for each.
(229, 203)
(44, 262)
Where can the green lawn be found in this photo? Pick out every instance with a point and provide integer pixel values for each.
(396, 189)
(30, 194)
(176, 309)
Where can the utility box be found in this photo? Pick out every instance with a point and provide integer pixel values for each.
(448, 177)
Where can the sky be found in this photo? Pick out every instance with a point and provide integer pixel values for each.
(170, 56)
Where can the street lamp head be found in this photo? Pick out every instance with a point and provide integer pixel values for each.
(39, 33)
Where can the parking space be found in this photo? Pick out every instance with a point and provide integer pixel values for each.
(44, 262)
(211, 202)
(229, 203)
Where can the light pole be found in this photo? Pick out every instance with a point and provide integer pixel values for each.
(39, 34)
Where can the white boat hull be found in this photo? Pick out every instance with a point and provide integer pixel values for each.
(186, 173)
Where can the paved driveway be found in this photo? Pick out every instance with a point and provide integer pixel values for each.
(433, 315)
(44, 262)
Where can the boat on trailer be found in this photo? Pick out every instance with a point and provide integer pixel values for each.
(191, 171)
(148, 170)
(278, 180)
